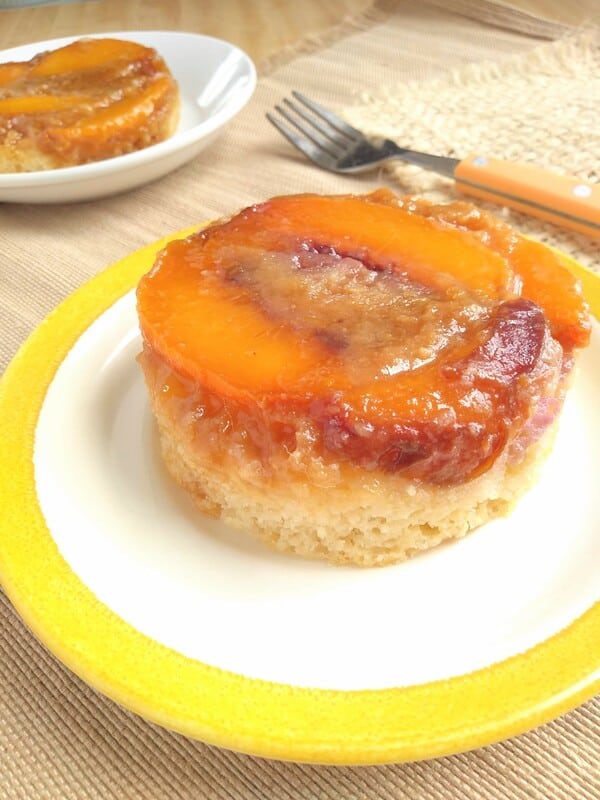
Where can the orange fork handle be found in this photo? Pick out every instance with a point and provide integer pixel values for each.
(538, 192)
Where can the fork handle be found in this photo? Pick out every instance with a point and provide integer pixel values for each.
(538, 192)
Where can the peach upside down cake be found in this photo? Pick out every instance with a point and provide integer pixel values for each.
(358, 378)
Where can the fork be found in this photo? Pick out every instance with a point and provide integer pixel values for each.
(334, 145)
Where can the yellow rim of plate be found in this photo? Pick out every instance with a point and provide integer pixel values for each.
(219, 707)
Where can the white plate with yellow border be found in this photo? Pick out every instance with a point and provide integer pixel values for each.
(198, 628)
(215, 78)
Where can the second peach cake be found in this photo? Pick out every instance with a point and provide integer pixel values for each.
(87, 101)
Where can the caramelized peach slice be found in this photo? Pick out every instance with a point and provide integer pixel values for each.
(11, 70)
(232, 348)
(86, 54)
(41, 104)
(385, 236)
(544, 274)
(112, 123)
(548, 282)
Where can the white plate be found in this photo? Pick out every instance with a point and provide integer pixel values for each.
(184, 566)
(215, 78)
(200, 628)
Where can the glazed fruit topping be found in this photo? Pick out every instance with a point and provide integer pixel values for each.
(413, 338)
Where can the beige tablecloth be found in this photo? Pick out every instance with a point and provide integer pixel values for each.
(405, 71)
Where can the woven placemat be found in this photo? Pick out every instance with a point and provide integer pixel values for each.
(540, 108)
(59, 738)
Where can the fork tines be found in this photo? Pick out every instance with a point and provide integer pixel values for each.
(323, 132)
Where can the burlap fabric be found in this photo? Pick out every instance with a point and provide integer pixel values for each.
(403, 71)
